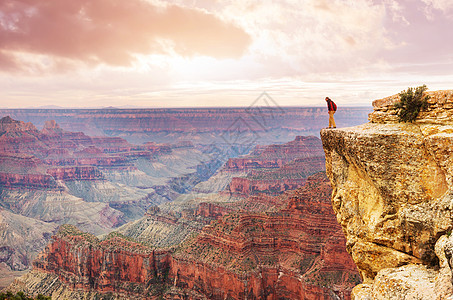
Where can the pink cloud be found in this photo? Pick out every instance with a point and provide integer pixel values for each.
(112, 31)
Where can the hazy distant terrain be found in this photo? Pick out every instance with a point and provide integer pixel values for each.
(250, 125)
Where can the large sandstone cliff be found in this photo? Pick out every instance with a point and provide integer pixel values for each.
(393, 196)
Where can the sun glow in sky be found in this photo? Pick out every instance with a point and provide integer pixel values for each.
(181, 53)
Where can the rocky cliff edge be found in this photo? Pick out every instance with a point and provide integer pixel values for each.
(393, 196)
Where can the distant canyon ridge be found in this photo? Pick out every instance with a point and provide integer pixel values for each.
(252, 125)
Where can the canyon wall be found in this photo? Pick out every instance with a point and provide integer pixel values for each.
(392, 194)
(112, 265)
(294, 252)
(274, 169)
(276, 156)
(28, 181)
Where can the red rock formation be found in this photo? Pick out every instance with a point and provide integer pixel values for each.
(112, 144)
(18, 137)
(276, 156)
(113, 265)
(301, 147)
(297, 252)
(244, 164)
(290, 176)
(212, 210)
(51, 128)
(56, 147)
(19, 163)
(262, 254)
(298, 168)
(258, 203)
(28, 181)
(11, 127)
(215, 282)
(245, 186)
(89, 152)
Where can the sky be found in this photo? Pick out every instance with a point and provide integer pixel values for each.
(205, 53)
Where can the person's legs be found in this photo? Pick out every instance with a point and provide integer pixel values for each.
(331, 119)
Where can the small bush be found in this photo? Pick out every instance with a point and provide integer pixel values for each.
(411, 103)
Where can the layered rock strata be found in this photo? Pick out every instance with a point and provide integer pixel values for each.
(296, 252)
(113, 265)
(293, 252)
(276, 156)
(393, 195)
(269, 169)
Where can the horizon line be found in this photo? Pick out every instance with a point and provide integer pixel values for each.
(178, 107)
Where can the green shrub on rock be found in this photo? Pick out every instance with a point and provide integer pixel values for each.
(411, 103)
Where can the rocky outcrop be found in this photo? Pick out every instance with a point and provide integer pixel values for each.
(276, 156)
(246, 186)
(212, 210)
(392, 194)
(10, 127)
(113, 265)
(301, 147)
(29, 181)
(51, 128)
(439, 111)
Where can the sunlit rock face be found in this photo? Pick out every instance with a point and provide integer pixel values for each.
(392, 194)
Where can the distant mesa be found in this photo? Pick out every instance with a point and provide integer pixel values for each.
(8, 125)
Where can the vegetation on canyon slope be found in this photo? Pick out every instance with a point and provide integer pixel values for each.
(21, 296)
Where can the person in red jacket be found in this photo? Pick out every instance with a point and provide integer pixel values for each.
(332, 107)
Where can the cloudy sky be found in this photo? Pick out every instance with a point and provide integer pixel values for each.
(183, 53)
